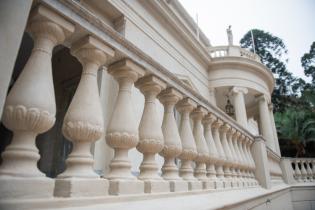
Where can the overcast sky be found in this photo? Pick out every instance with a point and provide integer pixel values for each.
(291, 20)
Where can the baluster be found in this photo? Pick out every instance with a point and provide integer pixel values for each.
(122, 131)
(213, 153)
(189, 152)
(30, 109)
(251, 162)
(247, 161)
(235, 139)
(151, 137)
(303, 170)
(228, 162)
(202, 148)
(313, 169)
(83, 124)
(172, 142)
(309, 171)
(244, 161)
(230, 134)
(221, 160)
(298, 173)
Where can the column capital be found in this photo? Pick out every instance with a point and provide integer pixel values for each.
(218, 123)
(199, 112)
(186, 105)
(89, 49)
(151, 84)
(126, 69)
(261, 97)
(170, 96)
(237, 89)
(209, 118)
(44, 21)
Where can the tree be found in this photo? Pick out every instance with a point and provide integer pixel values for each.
(308, 63)
(296, 126)
(273, 53)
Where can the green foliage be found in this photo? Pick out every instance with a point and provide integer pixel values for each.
(273, 53)
(296, 125)
(308, 63)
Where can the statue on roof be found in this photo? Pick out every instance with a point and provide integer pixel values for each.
(229, 35)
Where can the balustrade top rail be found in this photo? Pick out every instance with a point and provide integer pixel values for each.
(226, 51)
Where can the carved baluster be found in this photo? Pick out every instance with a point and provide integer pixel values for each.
(251, 161)
(221, 160)
(83, 123)
(313, 169)
(202, 148)
(298, 173)
(189, 152)
(122, 131)
(309, 171)
(238, 158)
(213, 153)
(244, 161)
(247, 161)
(303, 170)
(151, 137)
(30, 108)
(228, 162)
(230, 134)
(172, 142)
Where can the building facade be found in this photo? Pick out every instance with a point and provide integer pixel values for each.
(120, 104)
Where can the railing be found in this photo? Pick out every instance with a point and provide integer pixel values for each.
(303, 169)
(214, 153)
(232, 51)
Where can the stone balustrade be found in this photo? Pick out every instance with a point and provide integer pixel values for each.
(232, 51)
(303, 169)
(214, 151)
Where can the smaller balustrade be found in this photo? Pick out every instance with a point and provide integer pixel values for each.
(232, 51)
(303, 169)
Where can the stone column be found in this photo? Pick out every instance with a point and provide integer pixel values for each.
(202, 148)
(221, 160)
(265, 125)
(261, 162)
(239, 105)
(274, 129)
(228, 161)
(189, 152)
(30, 109)
(213, 153)
(83, 124)
(122, 130)
(151, 137)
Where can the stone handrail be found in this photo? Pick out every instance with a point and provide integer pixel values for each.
(214, 153)
(233, 51)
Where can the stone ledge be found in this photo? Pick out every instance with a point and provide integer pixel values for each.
(204, 199)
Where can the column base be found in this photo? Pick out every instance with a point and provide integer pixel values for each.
(125, 187)
(209, 184)
(194, 185)
(26, 188)
(156, 186)
(80, 187)
(219, 184)
(178, 186)
(227, 183)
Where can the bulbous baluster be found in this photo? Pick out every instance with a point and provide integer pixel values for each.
(30, 108)
(151, 137)
(83, 124)
(228, 161)
(172, 142)
(122, 130)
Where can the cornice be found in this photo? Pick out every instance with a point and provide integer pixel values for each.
(247, 64)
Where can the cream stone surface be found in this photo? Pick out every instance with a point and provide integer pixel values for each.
(145, 118)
